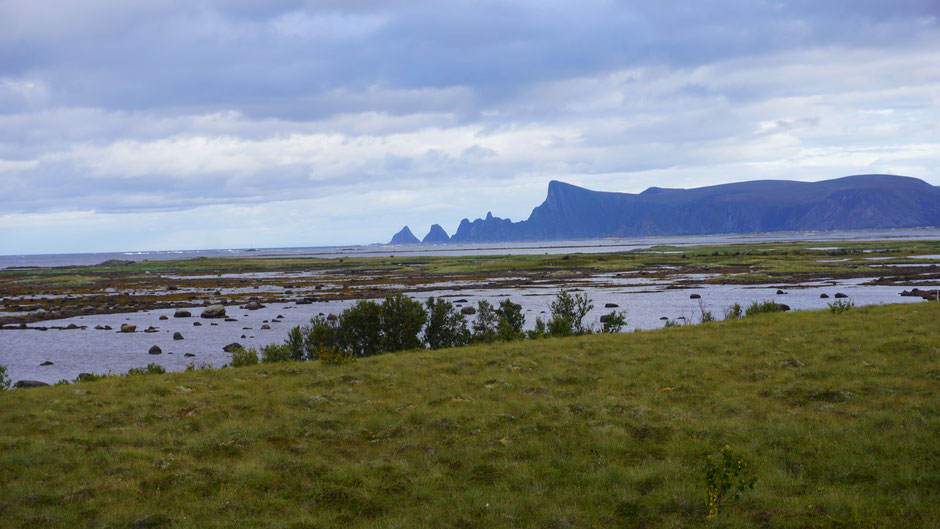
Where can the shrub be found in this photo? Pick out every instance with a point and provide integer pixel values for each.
(295, 344)
(762, 307)
(568, 313)
(360, 328)
(725, 479)
(274, 352)
(318, 334)
(335, 356)
(615, 321)
(151, 369)
(243, 357)
(540, 330)
(511, 320)
(193, 366)
(734, 312)
(4, 380)
(401, 321)
(707, 315)
(485, 324)
(840, 305)
(446, 326)
(672, 323)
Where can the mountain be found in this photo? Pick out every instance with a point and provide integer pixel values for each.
(436, 235)
(849, 203)
(404, 237)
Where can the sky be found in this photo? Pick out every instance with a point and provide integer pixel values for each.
(203, 124)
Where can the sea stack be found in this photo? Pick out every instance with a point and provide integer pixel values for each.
(404, 237)
(436, 235)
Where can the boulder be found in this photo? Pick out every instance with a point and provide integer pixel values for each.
(840, 295)
(614, 305)
(232, 346)
(604, 318)
(29, 384)
(695, 296)
(214, 311)
(824, 296)
(177, 335)
(155, 350)
(197, 324)
(72, 326)
(46, 363)
(779, 292)
(468, 310)
(253, 305)
(182, 313)
(126, 327)
(782, 307)
(188, 355)
(163, 317)
(265, 326)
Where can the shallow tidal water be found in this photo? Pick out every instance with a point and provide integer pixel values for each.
(645, 301)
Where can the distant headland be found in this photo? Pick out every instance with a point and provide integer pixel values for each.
(859, 202)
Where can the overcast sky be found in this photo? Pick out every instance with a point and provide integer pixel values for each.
(166, 124)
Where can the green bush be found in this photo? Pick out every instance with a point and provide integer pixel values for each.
(540, 330)
(151, 369)
(725, 479)
(615, 321)
(762, 307)
(568, 313)
(295, 344)
(243, 357)
(485, 324)
(360, 328)
(4, 380)
(446, 326)
(839, 306)
(335, 356)
(321, 332)
(734, 312)
(402, 319)
(510, 321)
(275, 353)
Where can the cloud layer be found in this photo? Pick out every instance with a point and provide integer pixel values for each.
(158, 125)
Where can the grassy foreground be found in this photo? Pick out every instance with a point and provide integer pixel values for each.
(838, 415)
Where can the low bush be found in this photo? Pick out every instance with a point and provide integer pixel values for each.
(243, 357)
(762, 307)
(151, 369)
(615, 321)
(446, 326)
(276, 353)
(840, 305)
(4, 381)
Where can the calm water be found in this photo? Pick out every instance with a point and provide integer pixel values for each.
(516, 248)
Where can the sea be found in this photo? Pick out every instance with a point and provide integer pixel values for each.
(608, 245)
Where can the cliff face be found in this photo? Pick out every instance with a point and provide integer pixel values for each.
(849, 203)
(436, 235)
(404, 237)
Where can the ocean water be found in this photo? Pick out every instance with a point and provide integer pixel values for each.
(514, 248)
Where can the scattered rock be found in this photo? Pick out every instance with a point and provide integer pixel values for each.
(29, 384)
(177, 335)
(461, 300)
(232, 346)
(265, 326)
(214, 311)
(253, 305)
(197, 324)
(172, 287)
(188, 355)
(126, 327)
(163, 317)
(99, 328)
(614, 305)
(182, 313)
(230, 319)
(46, 363)
(279, 317)
(468, 310)
(824, 296)
(155, 350)
(664, 318)
(779, 292)
(72, 326)
(695, 296)
(782, 307)
(840, 295)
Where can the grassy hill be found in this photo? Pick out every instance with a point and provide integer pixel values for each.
(838, 417)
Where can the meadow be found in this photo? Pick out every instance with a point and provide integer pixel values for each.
(837, 417)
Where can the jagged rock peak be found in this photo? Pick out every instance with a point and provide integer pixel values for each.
(404, 237)
(436, 235)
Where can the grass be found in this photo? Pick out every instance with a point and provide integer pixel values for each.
(838, 415)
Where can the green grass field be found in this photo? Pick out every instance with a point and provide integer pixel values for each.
(838, 416)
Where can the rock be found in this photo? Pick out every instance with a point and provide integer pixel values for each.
(461, 300)
(824, 296)
(279, 317)
(126, 327)
(155, 350)
(214, 311)
(604, 318)
(29, 384)
(230, 319)
(840, 295)
(99, 328)
(188, 355)
(468, 310)
(782, 307)
(46, 363)
(182, 313)
(171, 287)
(780, 292)
(177, 335)
(232, 346)
(72, 326)
(265, 326)
(197, 324)
(613, 305)
(253, 305)
(664, 318)
(163, 317)
(695, 296)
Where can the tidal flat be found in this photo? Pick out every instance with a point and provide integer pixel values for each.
(68, 317)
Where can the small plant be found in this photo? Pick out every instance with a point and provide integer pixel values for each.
(734, 312)
(243, 357)
(726, 477)
(672, 323)
(540, 330)
(762, 307)
(840, 305)
(707, 315)
(274, 352)
(193, 366)
(151, 369)
(615, 321)
(4, 381)
(335, 356)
